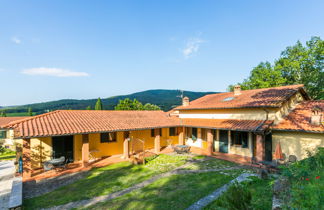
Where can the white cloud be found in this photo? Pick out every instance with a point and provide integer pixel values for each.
(16, 40)
(192, 47)
(54, 72)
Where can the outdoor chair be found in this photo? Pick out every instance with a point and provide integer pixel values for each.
(181, 149)
(56, 163)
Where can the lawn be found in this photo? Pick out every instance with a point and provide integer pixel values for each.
(7, 154)
(106, 180)
(204, 162)
(261, 191)
(174, 192)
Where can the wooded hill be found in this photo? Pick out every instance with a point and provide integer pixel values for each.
(165, 99)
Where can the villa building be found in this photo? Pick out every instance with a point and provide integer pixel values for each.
(248, 123)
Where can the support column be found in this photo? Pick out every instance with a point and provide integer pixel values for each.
(181, 135)
(260, 150)
(157, 146)
(26, 156)
(210, 138)
(229, 141)
(126, 149)
(250, 143)
(85, 150)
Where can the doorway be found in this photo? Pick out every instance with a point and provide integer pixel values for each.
(223, 141)
(63, 146)
(268, 147)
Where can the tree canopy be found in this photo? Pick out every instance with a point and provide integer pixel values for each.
(3, 113)
(297, 64)
(30, 111)
(128, 104)
(98, 105)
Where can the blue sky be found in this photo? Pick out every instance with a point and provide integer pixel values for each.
(86, 49)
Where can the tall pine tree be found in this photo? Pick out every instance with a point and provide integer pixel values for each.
(98, 105)
(30, 111)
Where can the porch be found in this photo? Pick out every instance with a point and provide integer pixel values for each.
(40, 174)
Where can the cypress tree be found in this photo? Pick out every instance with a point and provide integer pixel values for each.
(30, 111)
(98, 104)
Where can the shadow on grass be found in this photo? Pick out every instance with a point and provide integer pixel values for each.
(174, 192)
(100, 181)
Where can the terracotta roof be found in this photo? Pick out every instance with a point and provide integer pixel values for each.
(299, 118)
(267, 97)
(5, 120)
(228, 124)
(68, 122)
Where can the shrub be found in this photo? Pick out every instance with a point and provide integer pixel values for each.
(238, 197)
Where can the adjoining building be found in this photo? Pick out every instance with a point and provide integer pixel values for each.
(247, 123)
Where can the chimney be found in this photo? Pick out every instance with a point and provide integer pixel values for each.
(237, 90)
(185, 101)
(316, 117)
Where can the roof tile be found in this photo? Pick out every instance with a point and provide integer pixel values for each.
(267, 97)
(299, 118)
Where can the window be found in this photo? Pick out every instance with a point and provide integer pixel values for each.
(3, 134)
(153, 134)
(194, 134)
(172, 131)
(239, 138)
(108, 137)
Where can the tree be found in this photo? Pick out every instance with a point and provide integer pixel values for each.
(98, 105)
(297, 64)
(3, 113)
(30, 111)
(88, 107)
(128, 104)
(149, 106)
(304, 65)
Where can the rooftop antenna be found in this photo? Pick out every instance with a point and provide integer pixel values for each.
(181, 94)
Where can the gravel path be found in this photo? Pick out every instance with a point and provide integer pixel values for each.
(218, 192)
(7, 171)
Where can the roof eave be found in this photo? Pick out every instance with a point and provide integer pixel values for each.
(297, 130)
(242, 107)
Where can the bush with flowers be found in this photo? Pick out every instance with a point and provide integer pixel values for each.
(307, 182)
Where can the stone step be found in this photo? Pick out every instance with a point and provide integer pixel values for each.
(15, 199)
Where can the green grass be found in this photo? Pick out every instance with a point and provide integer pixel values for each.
(7, 154)
(209, 163)
(174, 192)
(102, 181)
(261, 191)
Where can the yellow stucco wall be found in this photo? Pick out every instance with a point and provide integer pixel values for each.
(287, 107)
(41, 150)
(297, 143)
